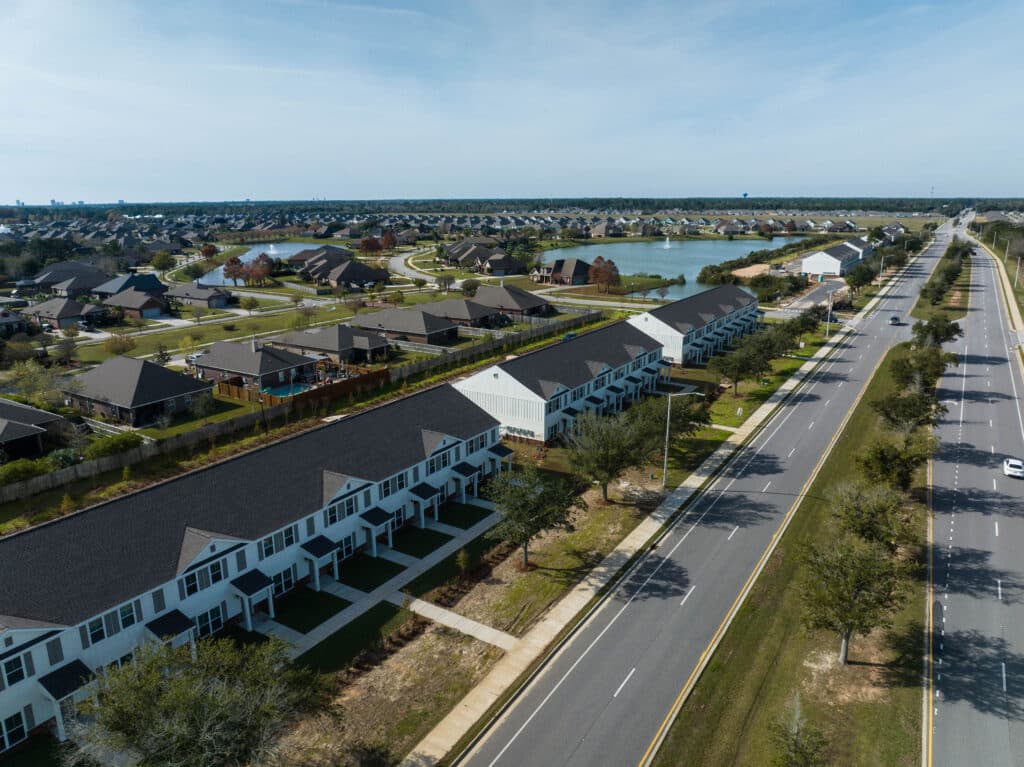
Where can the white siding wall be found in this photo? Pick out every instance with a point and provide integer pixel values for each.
(519, 410)
(14, 698)
(670, 338)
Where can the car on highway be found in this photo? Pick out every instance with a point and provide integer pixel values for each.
(1013, 467)
(894, 320)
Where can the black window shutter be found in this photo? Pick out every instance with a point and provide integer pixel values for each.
(181, 590)
(30, 720)
(30, 666)
(137, 606)
(310, 527)
(240, 560)
(83, 632)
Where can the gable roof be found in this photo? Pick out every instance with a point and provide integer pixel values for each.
(250, 358)
(147, 283)
(511, 297)
(195, 292)
(574, 362)
(12, 430)
(334, 338)
(130, 383)
(58, 308)
(132, 299)
(695, 312)
(117, 550)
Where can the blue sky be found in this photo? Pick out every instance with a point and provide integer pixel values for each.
(296, 99)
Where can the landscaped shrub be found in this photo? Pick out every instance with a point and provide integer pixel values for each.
(63, 458)
(23, 468)
(112, 445)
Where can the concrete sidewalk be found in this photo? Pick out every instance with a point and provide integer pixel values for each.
(471, 709)
(455, 621)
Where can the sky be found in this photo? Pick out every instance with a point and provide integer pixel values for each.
(300, 99)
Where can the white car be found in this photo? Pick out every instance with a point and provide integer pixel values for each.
(1013, 467)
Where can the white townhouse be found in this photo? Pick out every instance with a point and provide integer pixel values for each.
(181, 559)
(538, 395)
(693, 329)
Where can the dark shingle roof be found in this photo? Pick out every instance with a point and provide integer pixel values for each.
(58, 308)
(130, 383)
(579, 360)
(65, 680)
(195, 292)
(459, 309)
(15, 411)
(132, 299)
(242, 357)
(147, 283)
(335, 339)
(115, 551)
(511, 297)
(12, 430)
(415, 321)
(697, 311)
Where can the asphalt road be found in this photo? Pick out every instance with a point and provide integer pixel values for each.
(601, 700)
(978, 529)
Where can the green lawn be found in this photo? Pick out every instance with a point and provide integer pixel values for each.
(224, 409)
(340, 648)
(686, 454)
(447, 569)
(367, 573)
(304, 609)
(417, 542)
(461, 515)
(42, 751)
(869, 711)
(241, 637)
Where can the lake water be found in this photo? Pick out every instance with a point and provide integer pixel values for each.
(273, 249)
(686, 257)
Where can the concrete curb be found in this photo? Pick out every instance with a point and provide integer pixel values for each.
(445, 736)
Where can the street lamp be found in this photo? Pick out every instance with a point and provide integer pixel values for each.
(828, 317)
(668, 420)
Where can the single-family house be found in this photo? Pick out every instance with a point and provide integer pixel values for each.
(62, 271)
(513, 301)
(693, 329)
(465, 312)
(63, 312)
(25, 430)
(537, 396)
(836, 260)
(180, 560)
(11, 323)
(408, 325)
(137, 304)
(339, 343)
(254, 364)
(563, 271)
(134, 391)
(144, 283)
(196, 295)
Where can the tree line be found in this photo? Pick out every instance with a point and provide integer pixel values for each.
(947, 272)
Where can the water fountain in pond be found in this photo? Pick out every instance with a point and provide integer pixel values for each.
(667, 245)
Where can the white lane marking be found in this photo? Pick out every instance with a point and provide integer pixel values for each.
(841, 384)
(990, 423)
(826, 402)
(791, 453)
(997, 529)
(993, 449)
(993, 483)
(766, 486)
(631, 672)
(999, 589)
(687, 596)
(1004, 676)
(733, 533)
(811, 425)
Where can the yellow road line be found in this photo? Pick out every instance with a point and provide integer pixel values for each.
(708, 651)
(929, 623)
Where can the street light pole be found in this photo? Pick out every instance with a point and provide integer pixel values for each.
(1017, 274)
(668, 420)
(828, 317)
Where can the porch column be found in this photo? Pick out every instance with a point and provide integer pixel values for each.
(315, 567)
(58, 718)
(476, 485)
(390, 544)
(437, 506)
(334, 562)
(462, 490)
(372, 541)
(270, 602)
(420, 513)
(247, 612)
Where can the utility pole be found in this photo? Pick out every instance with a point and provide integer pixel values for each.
(1017, 274)
(828, 317)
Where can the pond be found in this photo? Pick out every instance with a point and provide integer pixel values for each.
(669, 259)
(273, 249)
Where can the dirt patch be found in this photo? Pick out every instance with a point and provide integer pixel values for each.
(398, 702)
(752, 271)
(862, 680)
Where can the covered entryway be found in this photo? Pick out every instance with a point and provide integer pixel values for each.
(320, 552)
(61, 687)
(376, 522)
(251, 588)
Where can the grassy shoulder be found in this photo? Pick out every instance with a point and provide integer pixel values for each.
(870, 710)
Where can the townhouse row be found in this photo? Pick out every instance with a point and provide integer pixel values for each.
(182, 559)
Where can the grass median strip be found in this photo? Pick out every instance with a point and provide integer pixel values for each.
(869, 711)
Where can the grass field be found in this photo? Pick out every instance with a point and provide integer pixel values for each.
(303, 609)
(869, 711)
(338, 650)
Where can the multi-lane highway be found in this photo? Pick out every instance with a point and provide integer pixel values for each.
(977, 714)
(603, 698)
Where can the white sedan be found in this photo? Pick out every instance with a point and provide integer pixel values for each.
(1013, 467)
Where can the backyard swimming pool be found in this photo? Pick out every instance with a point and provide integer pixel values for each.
(286, 390)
